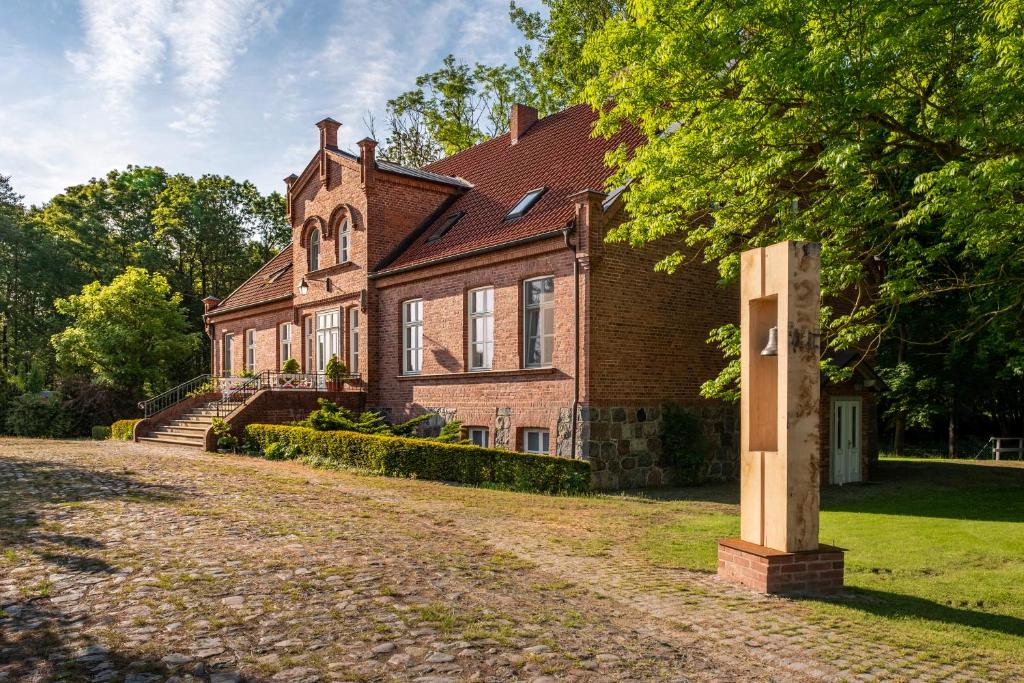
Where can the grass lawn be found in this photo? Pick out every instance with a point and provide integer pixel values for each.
(935, 553)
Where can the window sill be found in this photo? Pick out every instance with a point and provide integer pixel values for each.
(483, 374)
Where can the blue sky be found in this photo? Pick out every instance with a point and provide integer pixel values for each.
(213, 86)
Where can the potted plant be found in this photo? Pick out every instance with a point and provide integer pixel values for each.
(226, 443)
(336, 372)
(290, 367)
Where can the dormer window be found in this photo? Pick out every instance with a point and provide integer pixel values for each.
(445, 226)
(314, 250)
(525, 204)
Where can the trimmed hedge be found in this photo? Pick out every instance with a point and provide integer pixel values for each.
(122, 430)
(396, 456)
(101, 432)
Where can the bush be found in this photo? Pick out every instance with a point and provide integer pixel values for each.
(330, 417)
(424, 459)
(40, 414)
(686, 450)
(291, 367)
(279, 451)
(101, 433)
(123, 430)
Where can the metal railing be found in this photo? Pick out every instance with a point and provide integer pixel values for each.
(233, 396)
(172, 396)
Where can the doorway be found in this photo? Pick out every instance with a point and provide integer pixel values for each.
(846, 437)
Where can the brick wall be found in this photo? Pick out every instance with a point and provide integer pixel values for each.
(265, 320)
(868, 426)
(282, 407)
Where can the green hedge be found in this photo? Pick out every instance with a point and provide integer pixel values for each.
(101, 432)
(122, 430)
(396, 456)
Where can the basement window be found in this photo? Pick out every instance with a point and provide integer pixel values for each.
(445, 226)
(525, 204)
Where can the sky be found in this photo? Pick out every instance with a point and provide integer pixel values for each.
(230, 87)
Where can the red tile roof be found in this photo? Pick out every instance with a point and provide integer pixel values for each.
(557, 152)
(271, 282)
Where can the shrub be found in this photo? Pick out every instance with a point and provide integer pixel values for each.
(425, 459)
(123, 430)
(101, 432)
(280, 451)
(330, 417)
(684, 445)
(335, 370)
(291, 366)
(39, 414)
(222, 430)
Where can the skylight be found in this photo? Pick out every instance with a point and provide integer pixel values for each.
(525, 204)
(276, 275)
(445, 227)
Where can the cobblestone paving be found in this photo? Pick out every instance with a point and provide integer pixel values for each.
(133, 563)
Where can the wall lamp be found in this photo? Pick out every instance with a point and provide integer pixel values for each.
(304, 285)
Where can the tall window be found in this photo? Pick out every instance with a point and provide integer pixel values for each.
(538, 321)
(309, 367)
(481, 328)
(328, 337)
(412, 336)
(286, 341)
(250, 350)
(536, 440)
(343, 242)
(314, 250)
(353, 341)
(226, 365)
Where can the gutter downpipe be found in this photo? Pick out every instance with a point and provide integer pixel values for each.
(570, 226)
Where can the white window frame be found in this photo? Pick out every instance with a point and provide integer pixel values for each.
(227, 364)
(485, 318)
(353, 340)
(285, 335)
(328, 337)
(309, 360)
(343, 242)
(314, 250)
(479, 436)
(543, 441)
(412, 337)
(250, 349)
(542, 333)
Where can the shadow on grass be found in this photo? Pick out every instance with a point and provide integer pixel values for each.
(897, 605)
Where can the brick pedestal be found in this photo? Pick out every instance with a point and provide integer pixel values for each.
(808, 572)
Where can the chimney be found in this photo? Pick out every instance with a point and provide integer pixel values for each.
(522, 118)
(367, 160)
(328, 132)
(210, 303)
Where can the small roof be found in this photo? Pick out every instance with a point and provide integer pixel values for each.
(556, 153)
(272, 282)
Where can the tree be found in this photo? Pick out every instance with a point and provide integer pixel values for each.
(891, 132)
(131, 334)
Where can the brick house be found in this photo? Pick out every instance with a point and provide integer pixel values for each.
(480, 287)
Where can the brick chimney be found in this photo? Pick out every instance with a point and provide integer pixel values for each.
(328, 132)
(367, 160)
(522, 118)
(210, 303)
(288, 182)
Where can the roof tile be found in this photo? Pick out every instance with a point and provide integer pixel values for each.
(272, 281)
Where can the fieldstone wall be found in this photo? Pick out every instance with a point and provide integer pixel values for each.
(623, 444)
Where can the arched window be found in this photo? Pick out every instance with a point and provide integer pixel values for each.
(314, 250)
(343, 244)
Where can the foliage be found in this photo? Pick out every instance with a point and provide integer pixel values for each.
(39, 414)
(684, 445)
(101, 432)
(426, 459)
(335, 370)
(281, 451)
(86, 402)
(451, 432)
(331, 417)
(889, 133)
(123, 430)
(220, 427)
(291, 366)
(204, 389)
(130, 334)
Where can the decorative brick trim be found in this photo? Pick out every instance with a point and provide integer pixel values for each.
(765, 570)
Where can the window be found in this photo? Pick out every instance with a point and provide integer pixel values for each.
(226, 366)
(477, 436)
(353, 341)
(309, 343)
(250, 350)
(343, 242)
(538, 322)
(535, 440)
(525, 204)
(286, 341)
(481, 328)
(412, 337)
(446, 226)
(314, 250)
(328, 337)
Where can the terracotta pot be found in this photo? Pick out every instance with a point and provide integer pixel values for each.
(334, 385)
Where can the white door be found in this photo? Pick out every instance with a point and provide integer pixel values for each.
(328, 338)
(846, 417)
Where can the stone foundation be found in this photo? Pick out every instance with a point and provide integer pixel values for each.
(808, 572)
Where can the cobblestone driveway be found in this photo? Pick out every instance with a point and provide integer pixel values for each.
(123, 562)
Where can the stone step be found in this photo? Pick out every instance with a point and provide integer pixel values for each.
(169, 440)
(188, 429)
(197, 422)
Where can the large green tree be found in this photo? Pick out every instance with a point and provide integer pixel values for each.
(131, 334)
(890, 131)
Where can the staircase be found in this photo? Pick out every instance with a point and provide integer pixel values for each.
(189, 429)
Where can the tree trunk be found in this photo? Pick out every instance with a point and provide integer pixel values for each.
(899, 433)
(952, 428)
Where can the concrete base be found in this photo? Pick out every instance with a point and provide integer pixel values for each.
(808, 572)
